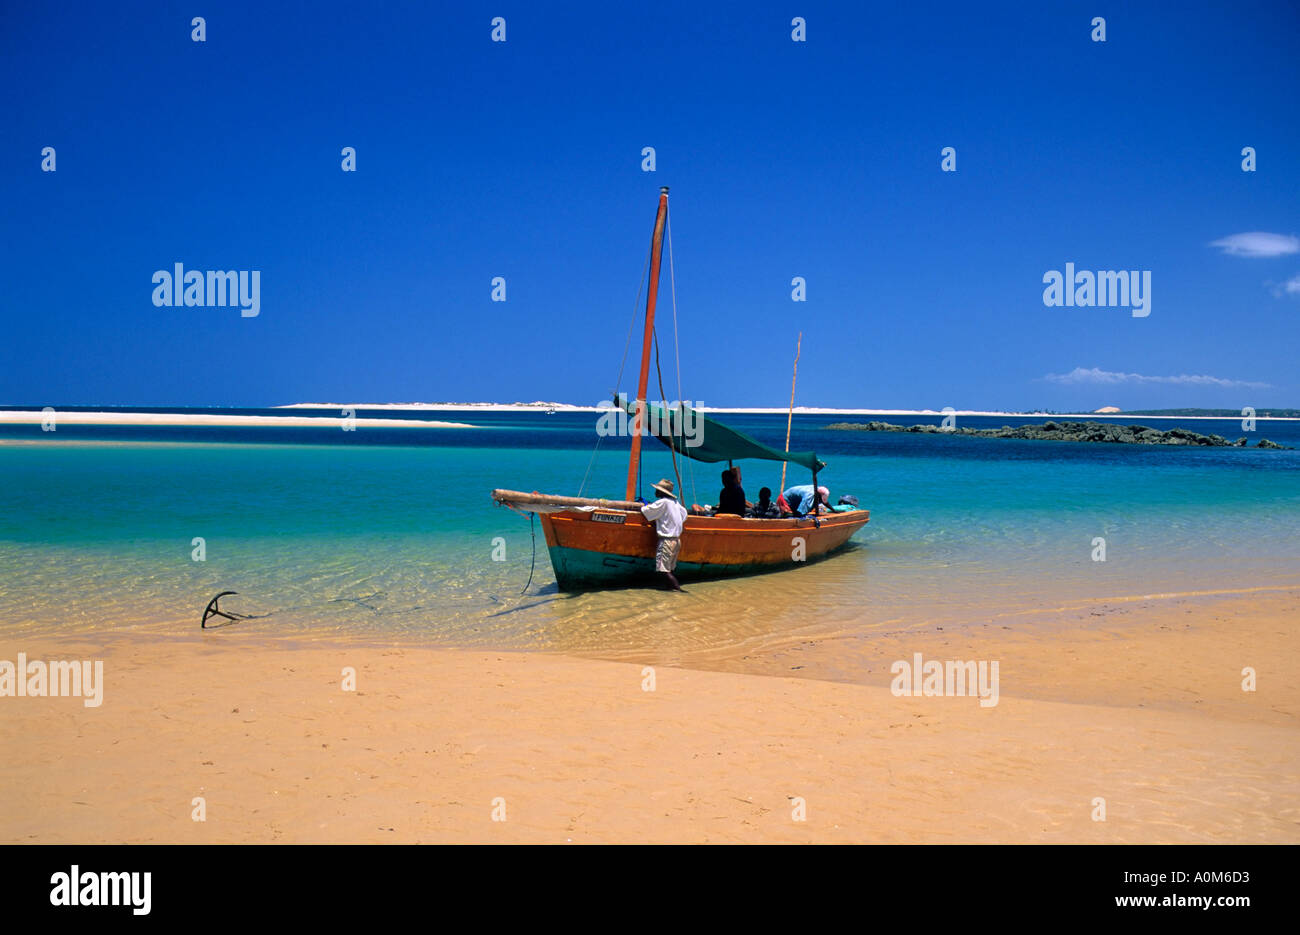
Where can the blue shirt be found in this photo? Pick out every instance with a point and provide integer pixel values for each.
(801, 499)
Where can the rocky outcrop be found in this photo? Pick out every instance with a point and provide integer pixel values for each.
(1069, 432)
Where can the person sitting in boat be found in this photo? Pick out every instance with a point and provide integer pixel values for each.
(764, 508)
(801, 500)
(735, 472)
(668, 516)
(732, 498)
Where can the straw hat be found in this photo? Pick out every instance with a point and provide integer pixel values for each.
(665, 487)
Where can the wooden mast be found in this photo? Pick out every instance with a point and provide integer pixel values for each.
(656, 252)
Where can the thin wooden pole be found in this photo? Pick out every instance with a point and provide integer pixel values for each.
(789, 419)
(656, 252)
(519, 496)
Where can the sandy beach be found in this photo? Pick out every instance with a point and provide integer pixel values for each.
(1139, 703)
(193, 418)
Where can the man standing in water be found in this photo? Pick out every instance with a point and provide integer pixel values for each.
(668, 516)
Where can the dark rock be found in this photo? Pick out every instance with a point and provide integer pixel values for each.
(1070, 432)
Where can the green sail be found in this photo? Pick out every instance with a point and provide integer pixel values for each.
(700, 438)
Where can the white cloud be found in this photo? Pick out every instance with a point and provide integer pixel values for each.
(1258, 244)
(1095, 375)
(1291, 286)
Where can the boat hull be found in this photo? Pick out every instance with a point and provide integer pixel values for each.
(592, 549)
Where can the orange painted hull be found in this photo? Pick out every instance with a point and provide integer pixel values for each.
(606, 548)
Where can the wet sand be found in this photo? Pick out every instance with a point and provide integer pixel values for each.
(1139, 703)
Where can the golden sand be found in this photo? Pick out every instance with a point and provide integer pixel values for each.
(1139, 704)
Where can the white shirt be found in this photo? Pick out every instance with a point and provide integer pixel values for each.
(668, 516)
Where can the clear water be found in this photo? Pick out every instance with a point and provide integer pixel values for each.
(389, 534)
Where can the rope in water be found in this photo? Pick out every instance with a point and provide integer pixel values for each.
(214, 609)
(532, 565)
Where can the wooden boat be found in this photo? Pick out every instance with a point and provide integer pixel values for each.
(596, 543)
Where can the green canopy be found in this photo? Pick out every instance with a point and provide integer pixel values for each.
(703, 439)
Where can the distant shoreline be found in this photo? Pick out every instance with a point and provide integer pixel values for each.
(760, 410)
(109, 417)
(178, 417)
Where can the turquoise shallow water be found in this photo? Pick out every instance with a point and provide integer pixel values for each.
(348, 535)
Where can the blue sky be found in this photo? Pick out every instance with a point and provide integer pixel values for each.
(522, 159)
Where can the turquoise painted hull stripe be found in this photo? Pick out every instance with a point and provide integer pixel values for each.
(581, 568)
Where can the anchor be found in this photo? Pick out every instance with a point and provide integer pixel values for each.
(214, 610)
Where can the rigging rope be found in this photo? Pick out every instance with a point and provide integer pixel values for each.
(677, 351)
(672, 449)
